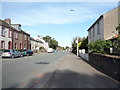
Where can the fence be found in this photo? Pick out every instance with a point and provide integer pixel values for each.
(112, 51)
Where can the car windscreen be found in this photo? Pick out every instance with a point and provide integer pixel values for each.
(6, 50)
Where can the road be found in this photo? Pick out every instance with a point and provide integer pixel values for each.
(53, 70)
(28, 71)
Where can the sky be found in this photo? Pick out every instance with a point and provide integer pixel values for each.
(56, 18)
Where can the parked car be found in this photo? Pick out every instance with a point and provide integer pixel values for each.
(56, 50)
(50, 50)
(26, 52)
(11, 53)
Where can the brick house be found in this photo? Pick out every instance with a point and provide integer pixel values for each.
(23, 38)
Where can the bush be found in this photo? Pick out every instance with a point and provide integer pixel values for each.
(99, 46)
(42, 49)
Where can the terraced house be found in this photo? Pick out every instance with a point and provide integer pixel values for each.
(35, 44)
(12, 36)
(5, 35)
(21, 38)
(104, 27)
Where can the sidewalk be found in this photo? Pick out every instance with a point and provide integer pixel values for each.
(73, 72)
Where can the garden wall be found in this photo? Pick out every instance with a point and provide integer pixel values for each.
(108, 64)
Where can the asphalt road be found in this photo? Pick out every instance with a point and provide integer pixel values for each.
(53, 70)
(27, 72)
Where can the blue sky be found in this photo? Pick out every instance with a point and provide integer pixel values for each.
(55, 18)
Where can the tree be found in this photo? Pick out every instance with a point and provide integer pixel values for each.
(47, 38)
(63, 48)
(74, 45)
(66, 47)
(51, 41)
(84, 44)
(53, 44)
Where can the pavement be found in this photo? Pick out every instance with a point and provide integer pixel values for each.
(73, 72)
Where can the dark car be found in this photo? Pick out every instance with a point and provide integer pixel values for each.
(27, 52)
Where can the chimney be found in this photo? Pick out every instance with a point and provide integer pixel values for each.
(7, 20)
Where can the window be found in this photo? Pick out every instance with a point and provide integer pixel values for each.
(28, 39)
(2, 45)
(98, 28)
(16, 35)
(3, 31)
(90, 34)
(24, 46)
(10, 33)
(93, 31)
(25, 37)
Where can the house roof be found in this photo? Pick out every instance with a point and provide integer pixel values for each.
(95, 22)
(3, 23)
(31, 38)
(16, 24)
(25, 32)
(101, 17)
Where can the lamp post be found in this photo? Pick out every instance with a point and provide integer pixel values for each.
(77, 37)
(77, 45)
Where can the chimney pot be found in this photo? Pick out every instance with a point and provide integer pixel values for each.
(7, 20)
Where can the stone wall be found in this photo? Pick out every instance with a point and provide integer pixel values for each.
(108, 64)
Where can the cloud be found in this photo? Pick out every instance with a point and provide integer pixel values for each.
(54, 15)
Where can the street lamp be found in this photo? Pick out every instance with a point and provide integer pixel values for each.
(77, 45)
(77, 37)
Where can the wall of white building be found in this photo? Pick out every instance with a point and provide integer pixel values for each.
(107, 23)
(44, 44)
(96, 35)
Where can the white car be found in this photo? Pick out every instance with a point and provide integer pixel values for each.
(50, 50)
(11, 53)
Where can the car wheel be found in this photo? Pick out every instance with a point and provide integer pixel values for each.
(13, 56)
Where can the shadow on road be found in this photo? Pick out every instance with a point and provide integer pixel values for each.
(69, 79)
(41, 63)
